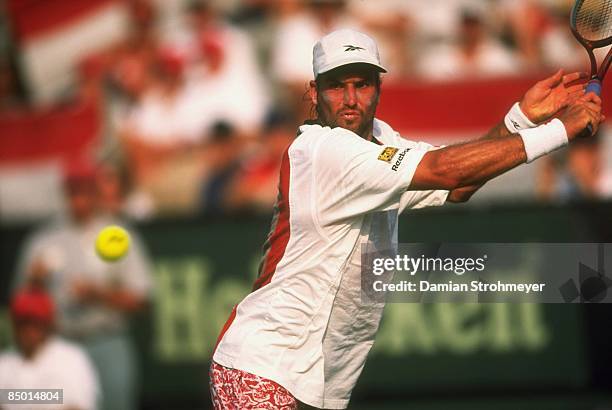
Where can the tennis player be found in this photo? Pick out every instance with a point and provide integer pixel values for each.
(303, 334)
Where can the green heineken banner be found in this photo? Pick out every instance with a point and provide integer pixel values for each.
(203, 267)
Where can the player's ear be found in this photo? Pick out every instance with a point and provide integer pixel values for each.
(312, 92)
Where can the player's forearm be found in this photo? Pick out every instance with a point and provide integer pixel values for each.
(472, 163)
(464, 193)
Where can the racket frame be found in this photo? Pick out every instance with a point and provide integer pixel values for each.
(591, 45)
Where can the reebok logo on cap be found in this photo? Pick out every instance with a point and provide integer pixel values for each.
(352, 48)
(342, 47)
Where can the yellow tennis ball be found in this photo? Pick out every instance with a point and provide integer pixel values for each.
(112, 243)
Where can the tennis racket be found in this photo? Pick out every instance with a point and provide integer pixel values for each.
(591, 24)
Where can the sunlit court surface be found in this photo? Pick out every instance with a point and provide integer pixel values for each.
(304, 204)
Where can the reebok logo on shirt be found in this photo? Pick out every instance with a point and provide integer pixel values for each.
(387, 154)
(400, 158)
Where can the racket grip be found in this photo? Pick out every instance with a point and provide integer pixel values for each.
(594, 86)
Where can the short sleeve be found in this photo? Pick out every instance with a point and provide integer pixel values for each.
(422, 199)
(355, 176)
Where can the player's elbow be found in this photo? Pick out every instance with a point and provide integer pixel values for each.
(462, 194)
(458, 197)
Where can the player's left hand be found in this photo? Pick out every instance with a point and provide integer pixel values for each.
(549, 96)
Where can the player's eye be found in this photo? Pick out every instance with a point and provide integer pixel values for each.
(362, 84)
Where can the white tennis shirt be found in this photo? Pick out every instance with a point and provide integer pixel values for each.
(304, 325)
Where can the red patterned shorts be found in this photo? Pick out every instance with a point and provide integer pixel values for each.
(233, 389)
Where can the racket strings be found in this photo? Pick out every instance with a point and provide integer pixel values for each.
(594, 19)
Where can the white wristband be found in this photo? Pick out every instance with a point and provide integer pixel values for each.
(544, 139)
(516, 120)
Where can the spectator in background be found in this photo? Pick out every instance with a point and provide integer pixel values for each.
(112, 182)
(164, 119)
(254, 187)
(476, 54)
(526, 20)
(220, 160)
(572, 175)
(130, 62)
(44, 361)
(94, 298)
(159, 137)
(541, 34)
(558, 46)
(225, 66)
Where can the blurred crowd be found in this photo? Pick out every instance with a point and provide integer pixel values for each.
(200, 98)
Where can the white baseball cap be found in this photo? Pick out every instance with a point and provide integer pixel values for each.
(342, 47)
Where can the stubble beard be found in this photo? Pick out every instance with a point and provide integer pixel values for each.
(361, 127)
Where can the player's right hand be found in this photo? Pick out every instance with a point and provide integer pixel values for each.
(583, 112)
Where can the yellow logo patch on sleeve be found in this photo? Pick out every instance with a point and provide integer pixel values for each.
(387, 154)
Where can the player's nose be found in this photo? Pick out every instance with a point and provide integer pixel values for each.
(350, 96)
